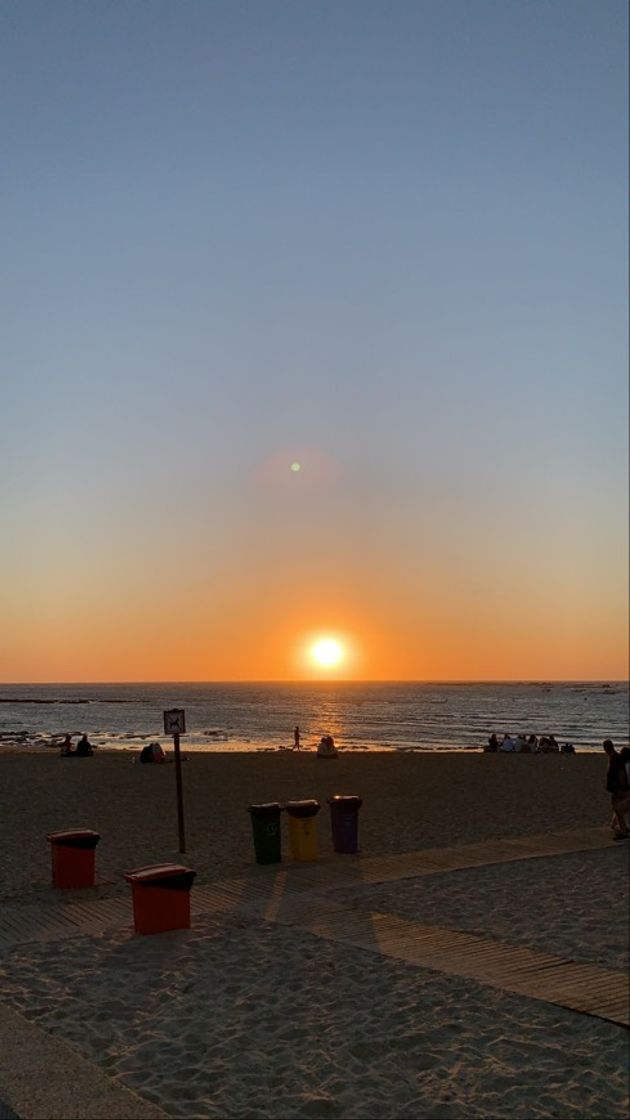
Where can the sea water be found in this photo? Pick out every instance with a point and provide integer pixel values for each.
(359, 715)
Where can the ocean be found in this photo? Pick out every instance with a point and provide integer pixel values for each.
(359, 715)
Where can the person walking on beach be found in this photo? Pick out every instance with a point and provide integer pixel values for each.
(617, 787)
(296, 738)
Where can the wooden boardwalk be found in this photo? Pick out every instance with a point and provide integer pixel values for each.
(586, 988)
(307, 896)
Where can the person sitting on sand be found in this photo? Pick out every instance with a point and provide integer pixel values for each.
(548, 745)
(533, 743)
(84, 747)
(66, 747)
(493, 744)
(520, 743)
(617, 787)
(326, 748)
(152, 752)
(508, 742)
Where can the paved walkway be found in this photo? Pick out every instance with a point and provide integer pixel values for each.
(44, 1078)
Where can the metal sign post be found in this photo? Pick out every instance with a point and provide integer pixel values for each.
(175, 724)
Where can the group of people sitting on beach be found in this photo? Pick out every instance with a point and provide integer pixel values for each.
(528, 744)
(326, 748)
(84, 749)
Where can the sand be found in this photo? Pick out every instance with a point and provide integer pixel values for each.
(410, 802)
(241, 1017)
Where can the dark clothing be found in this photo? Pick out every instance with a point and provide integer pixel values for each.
(84, 748)
(616, 780)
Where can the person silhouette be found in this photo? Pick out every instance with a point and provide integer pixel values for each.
(296, 738)
(66, 747)
(327, 748)
(84, 748)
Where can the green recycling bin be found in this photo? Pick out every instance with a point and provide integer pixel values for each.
(267, 834)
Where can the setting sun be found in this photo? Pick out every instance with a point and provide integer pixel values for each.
(327, 653)
(330, 654)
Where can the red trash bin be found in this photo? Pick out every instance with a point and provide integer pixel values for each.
(161, 897)
(73, 857)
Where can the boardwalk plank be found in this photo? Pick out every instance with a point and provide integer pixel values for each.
(582, 987)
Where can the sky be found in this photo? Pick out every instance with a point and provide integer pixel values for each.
(384, 241)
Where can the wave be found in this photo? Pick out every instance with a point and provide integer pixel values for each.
(61, 700)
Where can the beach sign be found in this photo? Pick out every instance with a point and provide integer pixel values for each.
(175, 721)
(175, 725)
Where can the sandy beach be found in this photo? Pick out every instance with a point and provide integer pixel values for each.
(246, 1017)
(409, 802)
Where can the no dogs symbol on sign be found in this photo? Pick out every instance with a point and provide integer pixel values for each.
(175, 721)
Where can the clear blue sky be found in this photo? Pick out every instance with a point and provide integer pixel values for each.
(388, 238)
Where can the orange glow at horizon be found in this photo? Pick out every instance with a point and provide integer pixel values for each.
(264, 608)
(134, 644)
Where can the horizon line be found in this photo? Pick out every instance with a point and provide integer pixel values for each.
(331, 680)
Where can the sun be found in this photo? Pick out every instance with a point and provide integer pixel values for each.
(327, 653)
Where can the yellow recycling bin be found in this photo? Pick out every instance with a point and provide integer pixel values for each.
(303, 828)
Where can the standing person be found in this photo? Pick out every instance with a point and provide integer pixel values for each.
(617, 787)
(296, 738)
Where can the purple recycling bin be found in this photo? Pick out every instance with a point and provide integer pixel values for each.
(344, 818)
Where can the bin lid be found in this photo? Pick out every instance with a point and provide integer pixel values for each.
(347, 801)
(267, 809)
(75, 838)
(157, 873)
(302, 808)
